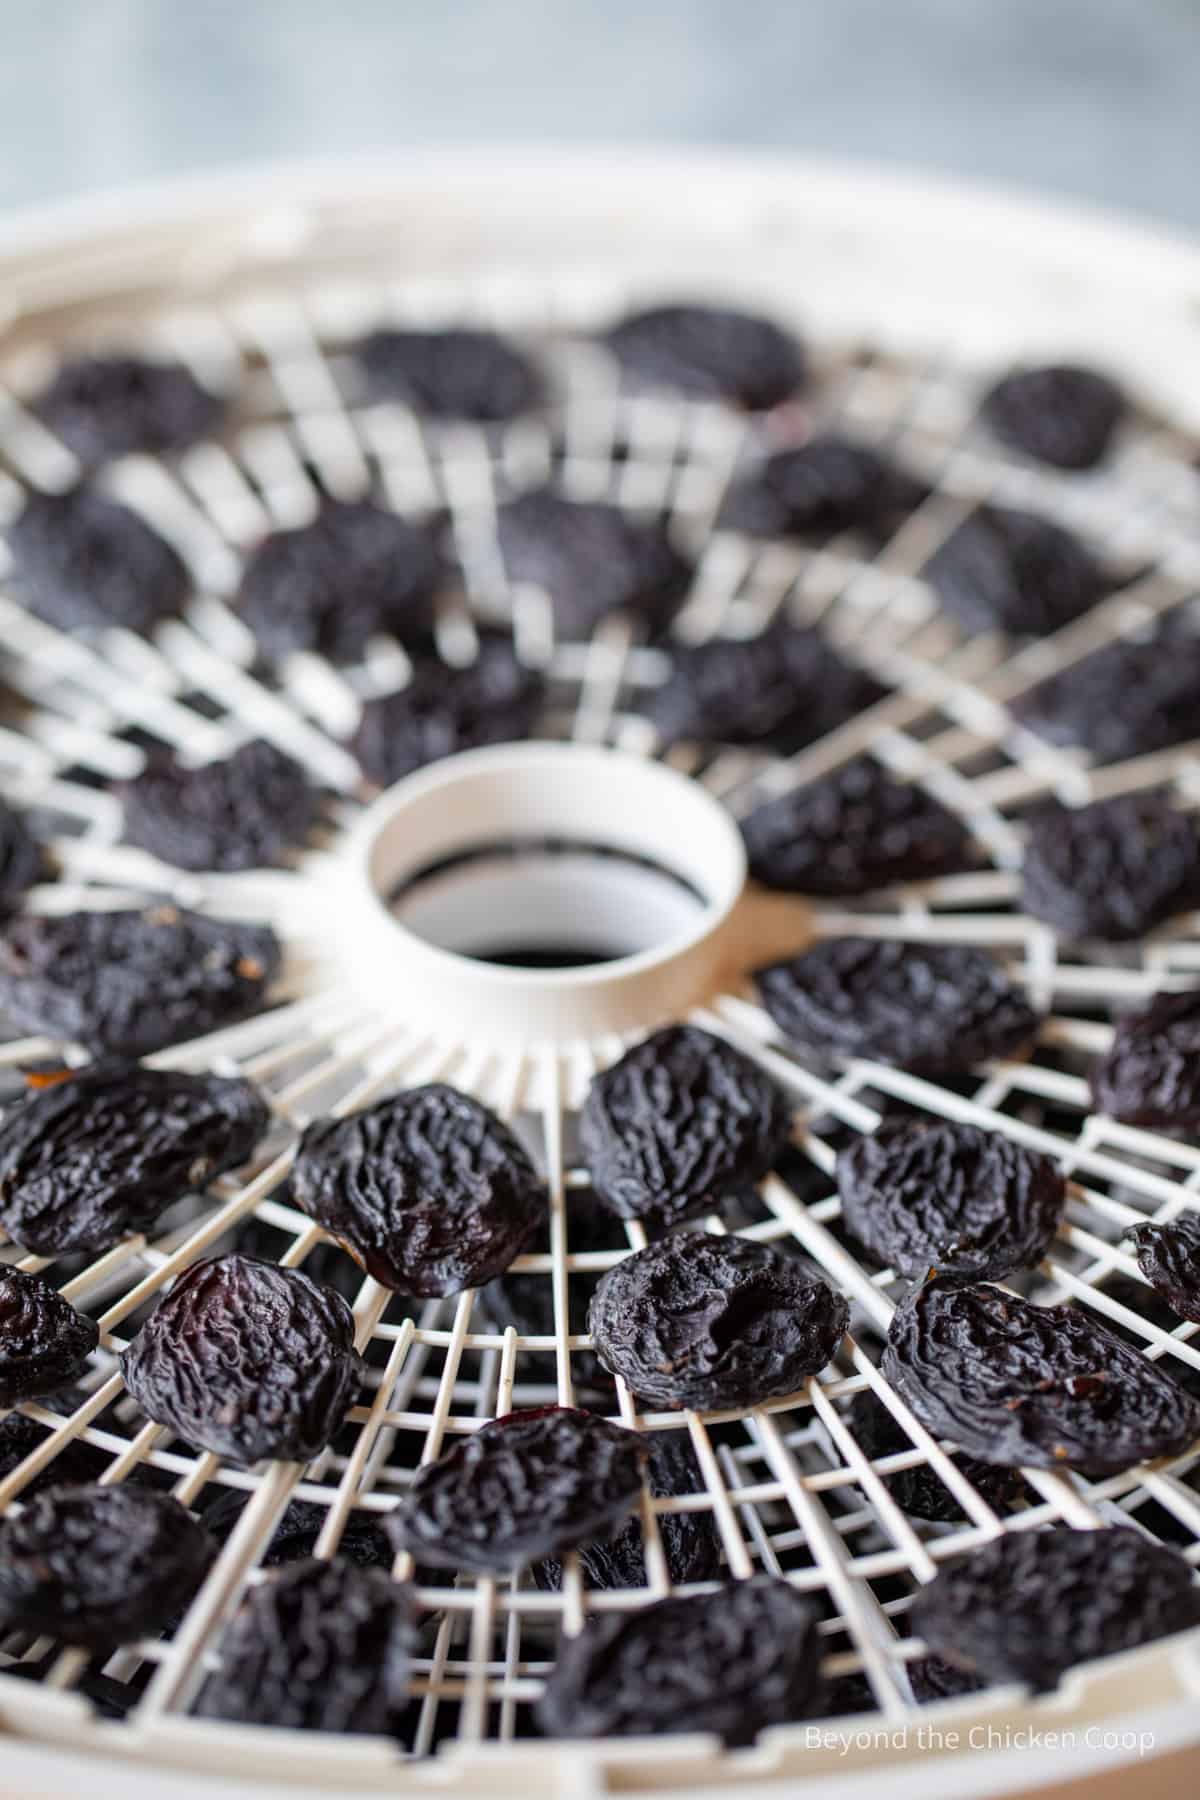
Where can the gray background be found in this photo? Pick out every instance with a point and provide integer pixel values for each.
(1093, 98)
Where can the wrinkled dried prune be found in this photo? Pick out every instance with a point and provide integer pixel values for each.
(1150, 1074)
(934, 1679)
(1029, 1605)
(853, 830)
(247, 1360)
(918, 1490)
(320, 1646)
(591, 559)
(521, 1488)
(494, 700)
(709, 1322)
(330, 586)
(828, 485)
(105, 406)
(1110, 870)
(128, 983)
(427, 1189)
(932, 1008)
(680, 1120)
(363, 1541)
(100, 1566)
(21, 858)
(734, 1666)
(81, 561)
(458, 374)
(710, 351)
(1060, 414)
(87, 1161)
(239, 813)
(1169, 1257)
(1127, 699)
(923, 1194)
(1007, 570)
(44, 1342)
(1039, 1387)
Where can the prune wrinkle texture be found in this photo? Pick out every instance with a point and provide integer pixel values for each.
(1059, 414)
(363, 1540)
(1111, 870)
(82, 561)
(709, 1322)
(734, 1665)
(102, 1154)
(592, 559)
(1169, 1257)
(240, 813)
(520, 1488)
(1026, 1386)
(1150, 1074)
(1007, 570)
(247, 1360)
(712, 352)
(1127, 699)
(427, 1189)
(828, 485)
(918, 1490)
(453, 374)
(106, 406)
(443, 710)
(44, 1342)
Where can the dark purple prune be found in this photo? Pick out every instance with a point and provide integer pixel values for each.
(457, 374)
(922, 1194)
(239, 813)
(932, 1679)
(102, 1154)
(932, 1008)
(1169, 1257)
(851, 831)
(363, 1541)
(1128, 699)
(1110, 870)
(1031, 1604)
(100, 1566)
(75, 1461)
(1150, 1073)
(81, 561)
(330, 586)
(712, 352)
(320, 1646)
(826, 486)
(520, 1488)
(128, 983)
(1024, 1386)
(734, 1666)
(106, 406)
(677, 1123)
(918, 1490)
(247, 1360)
(1061, 414)
(710, 1322)
(1007, 570)
(427, 1189)
(22, 861)
(44, 1342)
(494, 700)
(591, 559)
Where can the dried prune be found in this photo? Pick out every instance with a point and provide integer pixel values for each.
(521, 1488)
(87, 1161)
(100, 1566)
(591, 559)
(934, 1679)
(1007, 570)
(933, 1008)
(1127, 699)
(128, 983)
(363, 1541)
(1150, 1074)
(734, 1667)
(458, 374)
(918, 1490)
(81, 561)
(710, 1322)
(427, 1189)
(1029, 1605)
(44, 1342)
(239, 813)
(247, 1360)
(104, 406)
(1060, 414)
(923, 1194)
(74, 1462)
(21, 858)
(853, 830)
(828, 485)
(710, 351)
(1027, 1386)
(320, 1646)
(494, 700)
(1110, 870)
(330, 586)
(1169, 1257)
(681, 1119)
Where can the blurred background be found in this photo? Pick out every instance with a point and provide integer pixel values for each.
(1092, 98)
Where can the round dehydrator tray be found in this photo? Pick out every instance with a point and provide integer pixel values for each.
(908, 296)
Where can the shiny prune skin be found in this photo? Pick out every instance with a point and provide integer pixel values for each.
(711, 353)
(242, 812)
(427, 1189)
(450, 374)
(89, 1160)
(1111, 870)
(931, 1008)
(130, 982)
(828, 485)
(933, 1194)
(918, 1491)
(1029, 1605)
(44, 1342)
(1024, 1386)
(100, 1566)
(1059, 414)
(363, 1540)
(82, 561)
(319, 1646)
(1169, 1257)
(733, 1665)
(1126, 699)
(709, 1322)
(444, 710)
(591, 559)
(22, 860)
(851, 831)
(1150, 1074)
(676, 1123)
(247, 1360)
(106, 406)
(1007, 570)
(520, 1488)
